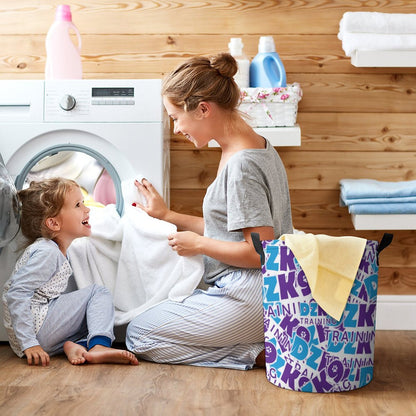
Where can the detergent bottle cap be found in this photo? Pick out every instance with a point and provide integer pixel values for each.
(63, 12)
(266, 44)
(236, 46)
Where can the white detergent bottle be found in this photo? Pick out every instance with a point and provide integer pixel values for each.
(242, 77)
(63, 57)
(266, 69)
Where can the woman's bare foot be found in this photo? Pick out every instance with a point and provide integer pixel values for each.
(101, 355)
(74, 352)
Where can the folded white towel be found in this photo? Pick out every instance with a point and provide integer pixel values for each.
(375, 22)
(131, 257)
(376, 42)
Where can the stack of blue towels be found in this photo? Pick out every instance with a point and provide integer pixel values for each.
(369, 196)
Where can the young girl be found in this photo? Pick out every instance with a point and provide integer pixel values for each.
(223, 326)
(40, 319)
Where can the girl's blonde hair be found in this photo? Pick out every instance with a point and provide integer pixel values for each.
(203, 79)
(40, 201)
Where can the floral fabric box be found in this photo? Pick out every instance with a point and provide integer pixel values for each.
(271, 107)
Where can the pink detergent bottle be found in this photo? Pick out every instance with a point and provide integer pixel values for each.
(63, 59)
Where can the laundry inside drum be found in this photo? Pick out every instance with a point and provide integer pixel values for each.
(96, 183)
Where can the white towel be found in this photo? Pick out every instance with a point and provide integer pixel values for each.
(374, 31)
(376, 42)
(131, 257)
(375, 22)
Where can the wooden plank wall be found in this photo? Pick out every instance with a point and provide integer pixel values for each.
(355, 122)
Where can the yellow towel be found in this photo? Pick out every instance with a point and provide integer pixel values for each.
(330, 265)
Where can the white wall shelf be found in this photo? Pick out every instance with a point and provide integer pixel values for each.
(394, 58)
(277, 136)
(384, 221)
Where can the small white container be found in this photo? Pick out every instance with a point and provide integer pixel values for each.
(242, 77)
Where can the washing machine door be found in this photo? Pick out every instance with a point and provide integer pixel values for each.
(9, 207)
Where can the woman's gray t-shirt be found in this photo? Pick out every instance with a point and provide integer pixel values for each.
(250, 191)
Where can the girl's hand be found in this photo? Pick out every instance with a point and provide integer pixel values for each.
(185, 243)
(155, 206)
(36, 355)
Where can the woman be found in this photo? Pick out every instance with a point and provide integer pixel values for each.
(223, 326)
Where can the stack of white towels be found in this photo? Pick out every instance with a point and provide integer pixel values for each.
(369, 196)
(376, 31)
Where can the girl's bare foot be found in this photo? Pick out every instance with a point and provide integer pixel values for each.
(74, 352)
(101, 355)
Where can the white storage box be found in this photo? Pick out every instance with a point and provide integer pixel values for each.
(271, 107)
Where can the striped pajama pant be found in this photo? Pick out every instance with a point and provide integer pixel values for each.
(77, 316)
(219, 327)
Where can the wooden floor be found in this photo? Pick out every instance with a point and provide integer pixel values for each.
(154, 389)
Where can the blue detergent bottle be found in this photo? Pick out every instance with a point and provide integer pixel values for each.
(266, 69)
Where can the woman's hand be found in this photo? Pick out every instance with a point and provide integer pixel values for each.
(185, 243)
(37, 355)
(155, 206)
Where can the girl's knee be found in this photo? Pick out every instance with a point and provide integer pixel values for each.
(100, 290)
(100, 296)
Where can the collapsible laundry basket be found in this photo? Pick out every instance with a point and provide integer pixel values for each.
(306, 349)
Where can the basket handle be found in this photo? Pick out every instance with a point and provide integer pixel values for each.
(385, 242)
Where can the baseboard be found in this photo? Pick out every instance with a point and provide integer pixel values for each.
(396, 312)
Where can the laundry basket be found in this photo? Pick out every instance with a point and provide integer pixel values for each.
(306, 349)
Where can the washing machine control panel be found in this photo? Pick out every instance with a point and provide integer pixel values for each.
(112, 96)
(101, 101)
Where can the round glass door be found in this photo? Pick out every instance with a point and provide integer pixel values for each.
(97, 178)
(9, 207)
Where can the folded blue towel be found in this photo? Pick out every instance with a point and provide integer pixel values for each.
(368, 209)
(381, 200)
(352, 189)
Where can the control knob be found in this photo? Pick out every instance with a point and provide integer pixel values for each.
(68, 102)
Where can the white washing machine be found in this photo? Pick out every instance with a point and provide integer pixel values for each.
(97, 132)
